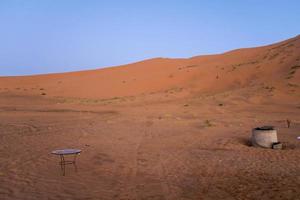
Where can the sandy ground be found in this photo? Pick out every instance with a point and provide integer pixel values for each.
(157, 129)
(183, 149)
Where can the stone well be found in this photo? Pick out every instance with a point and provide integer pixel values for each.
(264, 136)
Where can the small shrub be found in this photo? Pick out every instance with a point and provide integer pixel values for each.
(292, 85)
(295, 67)
(208, 123)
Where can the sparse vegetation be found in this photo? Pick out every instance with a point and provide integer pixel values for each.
(295, 67)
(292, 71)
(191, 66)
(271, 57)
(269, 88)
(173, 90)
(208, 123)
(292, 85)
(246, 63)
(91, 101)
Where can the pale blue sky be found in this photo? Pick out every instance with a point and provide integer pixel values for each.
(46, 36)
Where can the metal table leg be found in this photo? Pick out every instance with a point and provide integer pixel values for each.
(63, 162)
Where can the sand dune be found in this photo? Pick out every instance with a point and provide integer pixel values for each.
(274, 64)
(156, 129)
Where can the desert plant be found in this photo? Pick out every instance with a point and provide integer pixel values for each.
(208, 123)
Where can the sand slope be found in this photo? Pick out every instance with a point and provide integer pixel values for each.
(160, 129)
(274, 65)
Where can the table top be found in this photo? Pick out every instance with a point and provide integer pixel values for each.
(66, 151)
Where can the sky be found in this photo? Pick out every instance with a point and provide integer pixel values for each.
(51, 36)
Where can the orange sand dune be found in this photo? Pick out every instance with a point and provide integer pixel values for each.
(274, 64)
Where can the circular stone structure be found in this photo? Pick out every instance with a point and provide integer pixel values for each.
(264, 136)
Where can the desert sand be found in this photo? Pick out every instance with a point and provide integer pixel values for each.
(156, 129)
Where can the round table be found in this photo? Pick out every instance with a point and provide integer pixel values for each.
(67, 152)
